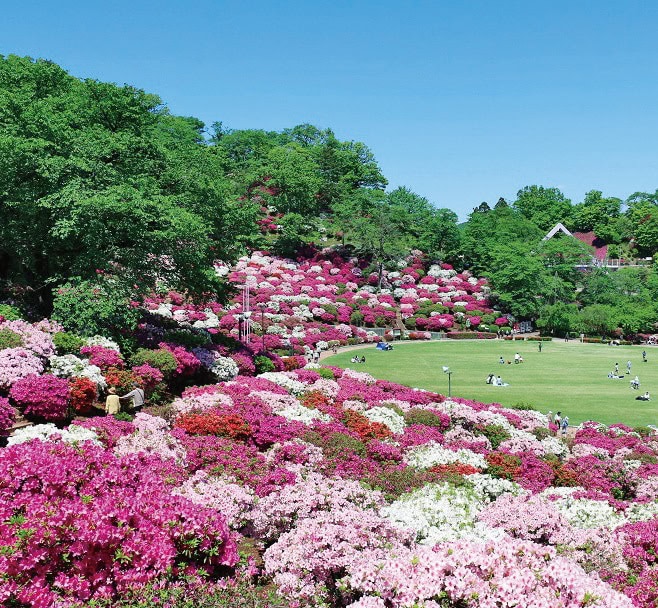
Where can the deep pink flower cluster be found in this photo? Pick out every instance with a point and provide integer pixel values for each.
(149, 376)
(102, 357)
(186, 363)
(44, 396)
(7, 416)
(81, 524)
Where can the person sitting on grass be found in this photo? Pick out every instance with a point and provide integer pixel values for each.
(645, 397)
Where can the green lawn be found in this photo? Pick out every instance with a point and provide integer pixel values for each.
(570, 377)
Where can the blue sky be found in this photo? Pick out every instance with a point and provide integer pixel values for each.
(461, 101)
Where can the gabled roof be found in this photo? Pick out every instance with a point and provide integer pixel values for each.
(559, 227)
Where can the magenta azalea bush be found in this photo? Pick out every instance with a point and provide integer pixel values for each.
(78, 523)
(7, 416)
(44, 396)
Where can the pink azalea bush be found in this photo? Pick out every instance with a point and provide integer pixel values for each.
(7, 416)
(479, 574)
(44, 396)
(17, 363)
(73, 539)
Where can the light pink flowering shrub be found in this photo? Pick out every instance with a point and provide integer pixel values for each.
(231, 500)
(525, 517)
(17, 363)
(151, 436)
(308, 561)
(476, 575)
(276, 513)
(34, 339)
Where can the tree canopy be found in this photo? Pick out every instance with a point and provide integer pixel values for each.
(100, 185)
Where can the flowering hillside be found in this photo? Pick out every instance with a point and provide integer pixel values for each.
(348, 490)
(326, 299)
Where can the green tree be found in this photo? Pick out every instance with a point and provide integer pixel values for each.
(431, 230)
(562, 255)
(96, 177)
(486, 229)
(517, 279)
(598, 319)
(376, 228)
(544, 207)
(558, 319)
(594, 212)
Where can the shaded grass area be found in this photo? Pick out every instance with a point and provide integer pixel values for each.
(566, 376)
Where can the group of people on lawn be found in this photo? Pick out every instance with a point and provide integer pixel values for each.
(635, 382)
(496, 380)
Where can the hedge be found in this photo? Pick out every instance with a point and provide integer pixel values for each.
(470, 335)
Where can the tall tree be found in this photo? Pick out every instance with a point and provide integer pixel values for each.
(100, 178)
(595, 212)
(544, 207)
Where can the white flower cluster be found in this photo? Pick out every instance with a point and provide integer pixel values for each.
(224, 369)
(584, 512)
(283, 379)
(442, 513)
(388, 417)
(436, 271)
(492, 487)
(68, 366)
(303, 414)
(44, 432)
(432, 454)
(552, 445)
(221, 269)
(102, 341)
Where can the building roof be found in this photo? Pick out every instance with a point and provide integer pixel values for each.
(589, 238)
(559, 227)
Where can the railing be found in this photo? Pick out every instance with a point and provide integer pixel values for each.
(615, 263)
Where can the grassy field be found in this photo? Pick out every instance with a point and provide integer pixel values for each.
(570, 377)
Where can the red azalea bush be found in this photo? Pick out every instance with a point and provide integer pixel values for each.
(294, 362)
(83, 525)
(42, 396)
(364, 428)
(82, 393)
(232, 426)
(122, 380)
(7, 416)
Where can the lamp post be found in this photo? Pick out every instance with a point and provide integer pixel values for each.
(247, 326)
(447, 370)
(262, 306)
